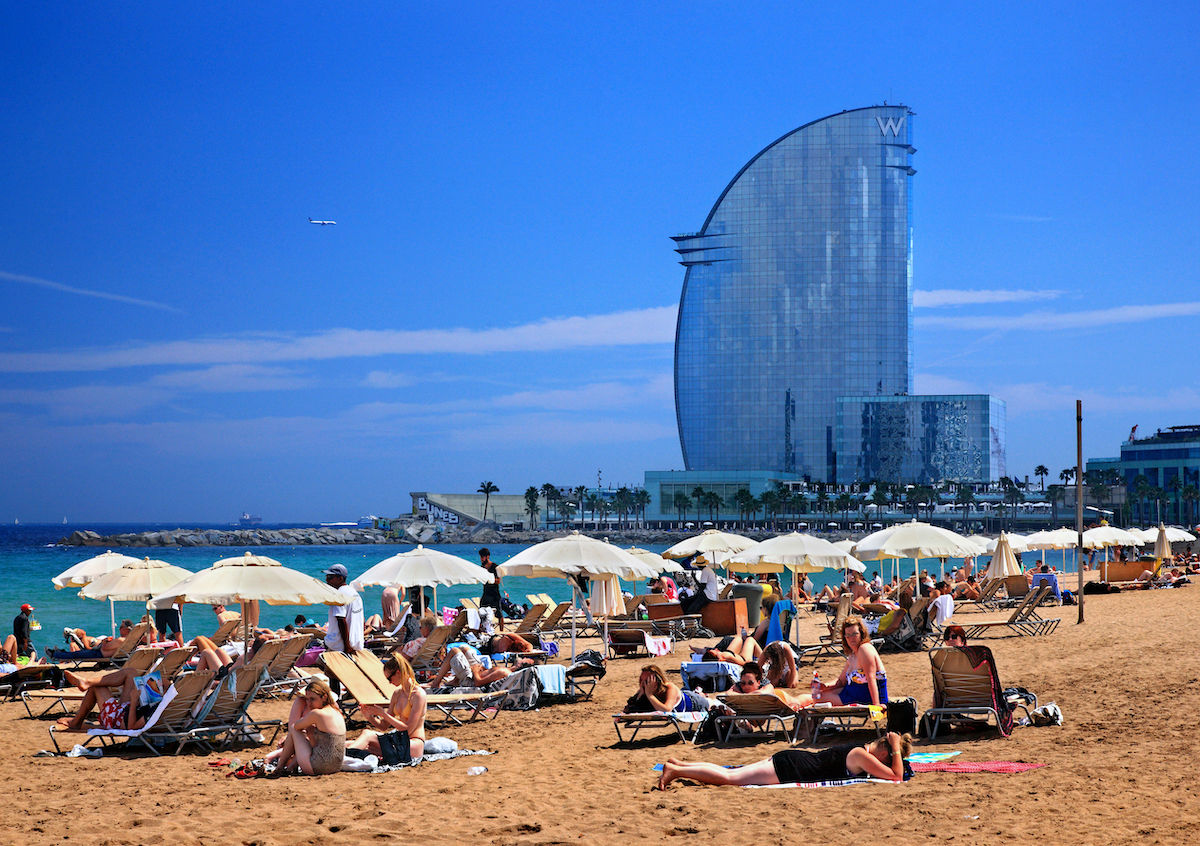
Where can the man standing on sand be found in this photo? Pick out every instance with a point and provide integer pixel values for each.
(22, 631)
(345, 630)
(491, 592)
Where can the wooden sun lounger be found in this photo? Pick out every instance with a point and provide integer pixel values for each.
(280, 679)
(172, 721)
(679, 722)
(759, 710)
(126, 647)
(25, 679)
(225, 631)
(476, 705)
(529, 622)
(1022, 621)
(170, 665)
(810, 719)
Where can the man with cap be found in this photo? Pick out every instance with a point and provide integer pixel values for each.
(345, 630)
(22, 632)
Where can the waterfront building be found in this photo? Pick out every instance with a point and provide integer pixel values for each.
(798, 291)
(1156, 472)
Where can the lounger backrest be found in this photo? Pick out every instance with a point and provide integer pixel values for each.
(473, 604)
(545, 599)
(551, 620)
(189, 688)
(1022, 608)
(372, 668)
(456, 627)
(233, 695)
(225, 631)
(432, 648)
(1015, 586)
(173, 662)
(131, 640)
(362, 689)
(760, 704)
(289, 653)
(956, 684)
(1035, 598)
(632, 603)
(531, 618)
(143, 659)
(917, 609)
(265, 655)
(990, 588)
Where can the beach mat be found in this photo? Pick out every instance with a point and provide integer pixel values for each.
(1007, 767)
(930, 757)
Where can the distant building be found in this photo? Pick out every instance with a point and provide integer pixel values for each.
(466, 509)
(797, 302)
(1169, 463)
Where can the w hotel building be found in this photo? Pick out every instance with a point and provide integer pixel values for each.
(793, 348)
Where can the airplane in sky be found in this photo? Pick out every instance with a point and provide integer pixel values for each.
(323, 222)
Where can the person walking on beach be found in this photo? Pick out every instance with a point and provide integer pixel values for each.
(345, 630)
(491, 592)
(22, 631)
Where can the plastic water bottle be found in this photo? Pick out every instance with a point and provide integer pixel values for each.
(477, 771)
(816, 685)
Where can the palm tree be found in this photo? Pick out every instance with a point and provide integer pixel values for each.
(1175, 486)
(698, 498)
(641, 498)
(843, 503)
(965, 497)
(681, 503)
(742, 500)
(712, 501)
(1054, 493)
(580, 494)
(487, 489)
(623, 504)
(1042, 471)
(1141, 490)
(566, 510)
(1190, 494)
(552, 496)
(822, 501)
(770, 501)
(1067, 475)
(531, 505)
(593, 505)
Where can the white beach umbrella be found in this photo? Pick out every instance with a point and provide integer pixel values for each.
(1178, 535)
(82, 573)
(575, 555)
(136, 582)
(713, 545)
(915, 540)
(846, 545)
(423, 566)
(655, 560)
(1105, 536)
(984, 541)
(794, 551)
(246, 578)
(1003, 562)
(1063, 539)
(1162, 545)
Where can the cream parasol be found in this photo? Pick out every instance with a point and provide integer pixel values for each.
(136, 582)
(655, 560)
(915, 540)
(245, 578)
(82, 573)
(1004, 563)
(794, 551)
(424, 566)
(575, 555)
(1063, 539)
(712, 545)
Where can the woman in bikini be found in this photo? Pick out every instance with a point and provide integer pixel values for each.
(655, 693)
(316, 742)
(405, 712)
(883, 758)
(863, 680)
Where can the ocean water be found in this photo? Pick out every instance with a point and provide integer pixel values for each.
(30, 558)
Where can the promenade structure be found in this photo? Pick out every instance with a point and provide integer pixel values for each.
(794, 334)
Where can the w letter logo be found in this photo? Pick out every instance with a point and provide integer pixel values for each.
(893, 126)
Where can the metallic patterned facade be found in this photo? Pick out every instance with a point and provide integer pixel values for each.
(921, 439)
(798, 290)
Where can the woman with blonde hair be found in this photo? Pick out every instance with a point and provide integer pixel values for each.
(404, 717)
(316, 742)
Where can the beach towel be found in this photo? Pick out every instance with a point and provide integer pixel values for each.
(929, 757)
(441, 756)
(553, 678)
(657, 645)
(841, 782)
(774, 627)
(1007, 767)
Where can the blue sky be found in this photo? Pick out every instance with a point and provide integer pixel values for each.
(498, 298)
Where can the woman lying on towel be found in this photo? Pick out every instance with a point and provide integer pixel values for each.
(883, 758)
(316, 740)
(405, 713)
(655, 693)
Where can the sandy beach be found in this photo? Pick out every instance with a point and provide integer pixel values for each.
(1118, 771)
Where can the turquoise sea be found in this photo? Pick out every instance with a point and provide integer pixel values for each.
(30, 558)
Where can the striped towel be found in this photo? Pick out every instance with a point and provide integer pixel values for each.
(1007, 767)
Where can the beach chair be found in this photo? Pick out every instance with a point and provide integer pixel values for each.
(634, 643)
(173, 661)
(1050, 580)
(1023, 620)
(897, 631)
(755, 711)
(280, 679)
(358, 688)
(126, 647)
(30, 677)
(471, 604)
(551, 623)
(709, 676)
(810, 720)
(685, 724)
(463, 707)
(173, 720)
(965, 683)
(830, 644)
(226, 631)
(1016, 588)
(429, 656)
(225, 716)
(529, 622)
(583, 676)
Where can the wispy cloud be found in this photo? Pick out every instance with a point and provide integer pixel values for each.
(1032, 397)
(626, 328)
(1090, 319)
(942, 297)
(85, 292)
(387, 379)
(233, 378)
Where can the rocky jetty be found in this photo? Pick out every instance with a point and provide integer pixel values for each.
(231, 537)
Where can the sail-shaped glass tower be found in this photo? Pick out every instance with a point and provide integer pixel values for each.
(798, 290)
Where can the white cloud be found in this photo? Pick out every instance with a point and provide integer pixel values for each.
(627, 328)
(387, 379)
(1062, 320)
(85, 292)
(1033, 397)
(941, 297)
(233, 378)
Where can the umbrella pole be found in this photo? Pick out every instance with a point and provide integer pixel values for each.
(112, 618)
(574, 619)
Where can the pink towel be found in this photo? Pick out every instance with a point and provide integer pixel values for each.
(974, 767)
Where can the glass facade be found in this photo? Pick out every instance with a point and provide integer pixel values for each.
(921, 439)
(798, 290)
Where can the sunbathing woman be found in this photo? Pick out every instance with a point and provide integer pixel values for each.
(463, 669)
(405, 711)
(883, 758)
(779, 664)
(316, 742)
(734, 649)
(863, 680)
(655, 693)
